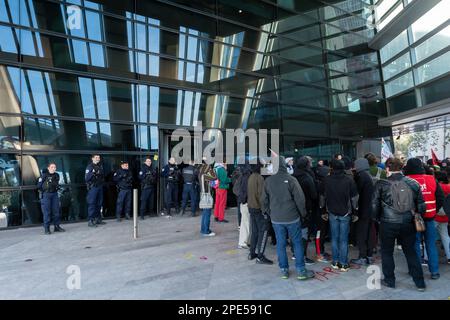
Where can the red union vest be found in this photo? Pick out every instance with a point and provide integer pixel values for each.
(428, 186)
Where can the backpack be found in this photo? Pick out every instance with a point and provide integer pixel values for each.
(402, 196)
(237, 185)
(377, 177)
(446, 205)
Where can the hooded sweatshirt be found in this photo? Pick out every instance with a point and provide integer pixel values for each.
(283, 198)
(221, 172)
(341, 193)
(365, 187)
(307, 183)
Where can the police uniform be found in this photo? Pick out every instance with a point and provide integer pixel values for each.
(171, 173)
(147, 177)
(48, 185)
(124, 180)
(190, 174)
(95, 178)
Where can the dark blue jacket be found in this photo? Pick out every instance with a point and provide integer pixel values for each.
(94, 175)
(147, 176)
(123, 179)
(48, 182)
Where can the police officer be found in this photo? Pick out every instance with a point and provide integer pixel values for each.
(190, 176)
(147, 177)
(171, 173)
(48, 185)
(95, 178)
(124, 180)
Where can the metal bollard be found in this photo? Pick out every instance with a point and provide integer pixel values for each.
(135, 213)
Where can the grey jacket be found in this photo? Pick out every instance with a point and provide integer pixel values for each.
(283, 198)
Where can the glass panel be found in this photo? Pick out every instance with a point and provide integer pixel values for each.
(400, 84)
(435, 91)
(50, 134)
(10, 205)
(432, 45)
(10, 133)
(304, 121)
(9, 170)
(9, 89)
(395, 46)
(391, 16)
(404, 102)
(397, 66)
(429, 21)
(434, 68)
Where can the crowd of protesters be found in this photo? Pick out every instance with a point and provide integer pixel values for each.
(359, 202)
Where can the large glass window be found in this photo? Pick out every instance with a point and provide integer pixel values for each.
(400, 84)
(394, 47)
(432, 45)
(397, 66)
(430, 20)
(434, 68)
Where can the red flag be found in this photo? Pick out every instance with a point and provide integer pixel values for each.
(435, 158)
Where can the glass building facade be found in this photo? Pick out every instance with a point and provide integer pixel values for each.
(415, 63)
(111, 77)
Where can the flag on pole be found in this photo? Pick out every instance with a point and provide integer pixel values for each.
(436, 161)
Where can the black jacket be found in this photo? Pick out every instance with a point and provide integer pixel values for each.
(123, 179)
(245, 172)
(382, 201)
(364, 184)
(308, 186)
(147, 177)
(283, 198)
(341, 194)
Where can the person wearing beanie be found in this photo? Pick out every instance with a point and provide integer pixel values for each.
(341, 199)
(364, 224)
(434, 199)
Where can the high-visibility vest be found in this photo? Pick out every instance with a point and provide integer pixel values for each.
(428, 186)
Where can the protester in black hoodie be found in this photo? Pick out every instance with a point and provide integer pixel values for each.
(303, 174)
(365, 187)
(341, 200)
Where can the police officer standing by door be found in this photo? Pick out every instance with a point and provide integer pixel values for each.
(48, 185)
(147, 176)
(190, 175)
(95, 178)
(124, 180)
(171, 174)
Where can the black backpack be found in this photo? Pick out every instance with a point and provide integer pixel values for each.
(402, 196)
(446, 205)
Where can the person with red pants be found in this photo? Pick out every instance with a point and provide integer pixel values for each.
(221, 192)
(434, 199)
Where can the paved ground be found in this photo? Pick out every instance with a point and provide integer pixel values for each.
(170, 260)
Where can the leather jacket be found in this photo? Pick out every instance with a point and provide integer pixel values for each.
(382, 209)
